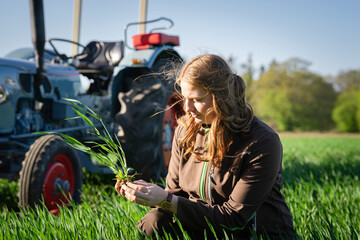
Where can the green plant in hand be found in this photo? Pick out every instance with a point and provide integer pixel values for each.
(107, 153)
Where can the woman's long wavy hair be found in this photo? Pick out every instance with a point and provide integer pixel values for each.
(233, 114)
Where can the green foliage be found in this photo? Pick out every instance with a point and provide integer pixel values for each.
(8, 198)
(322, 186)
(348, 80)
(346, 113)
(358, 112)
(322, 189)
(100, 216)
(289, 97)
(107, 153)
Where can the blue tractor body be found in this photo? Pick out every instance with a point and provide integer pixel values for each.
(125, 90)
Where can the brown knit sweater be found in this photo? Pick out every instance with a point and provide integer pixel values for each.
(228, 197)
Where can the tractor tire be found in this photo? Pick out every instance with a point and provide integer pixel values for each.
(141, 123)
(51, 172)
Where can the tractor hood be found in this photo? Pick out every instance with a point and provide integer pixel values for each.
(52, 71)
(19, 74)
(21, 65)
(17, 82)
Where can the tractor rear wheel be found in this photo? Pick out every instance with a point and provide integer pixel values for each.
(145, 127)
(51, 172)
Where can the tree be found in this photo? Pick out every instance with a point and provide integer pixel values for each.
(346, 113)
(290, 97)
(346, 81)
(358, 111)
(249, 71)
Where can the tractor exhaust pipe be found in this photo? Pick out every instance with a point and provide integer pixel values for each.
(38, 38)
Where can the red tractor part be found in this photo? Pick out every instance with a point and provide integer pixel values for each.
(51, 174)
(147, 40)
(173, 112)
(59, 182)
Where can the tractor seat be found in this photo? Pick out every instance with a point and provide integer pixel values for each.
(147, 40)
(99, 57)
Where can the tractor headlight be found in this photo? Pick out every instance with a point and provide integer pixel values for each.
(3, 94)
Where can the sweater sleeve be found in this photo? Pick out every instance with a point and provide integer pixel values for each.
(257, 179)
(172, 178)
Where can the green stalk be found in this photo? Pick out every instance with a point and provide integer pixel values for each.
(106, 151)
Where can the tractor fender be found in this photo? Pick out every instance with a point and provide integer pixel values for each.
(129, 69)
(145, 58)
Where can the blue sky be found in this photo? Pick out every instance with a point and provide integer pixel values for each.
(323, 32)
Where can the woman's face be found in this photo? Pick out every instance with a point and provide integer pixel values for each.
(197, 102)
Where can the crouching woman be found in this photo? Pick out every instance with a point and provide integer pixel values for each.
(225, 167)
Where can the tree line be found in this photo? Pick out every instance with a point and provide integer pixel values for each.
(289, 97)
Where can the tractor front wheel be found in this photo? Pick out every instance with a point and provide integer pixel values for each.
(51, 173)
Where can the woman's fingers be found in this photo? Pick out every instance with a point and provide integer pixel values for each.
(122, 190)
(138, 185)
(143, 193)
(118, 185)
(143, 190)
(135, 196)
(150, 193)
(142, 182)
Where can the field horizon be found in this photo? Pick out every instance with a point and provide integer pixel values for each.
(317, 134)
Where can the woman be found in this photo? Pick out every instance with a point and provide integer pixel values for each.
(225, 168)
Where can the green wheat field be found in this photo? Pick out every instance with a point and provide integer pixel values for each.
(322, 188)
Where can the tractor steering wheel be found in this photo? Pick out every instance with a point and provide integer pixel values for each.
(62, 56)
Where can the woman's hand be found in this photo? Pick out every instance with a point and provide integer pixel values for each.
(118, 187)
(143, 193)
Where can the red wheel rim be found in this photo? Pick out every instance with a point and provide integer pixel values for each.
(169, 125)
(59, 173)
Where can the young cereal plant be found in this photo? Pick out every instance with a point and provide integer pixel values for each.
(108, 153)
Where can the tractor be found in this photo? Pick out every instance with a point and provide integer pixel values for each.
(130, 93)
